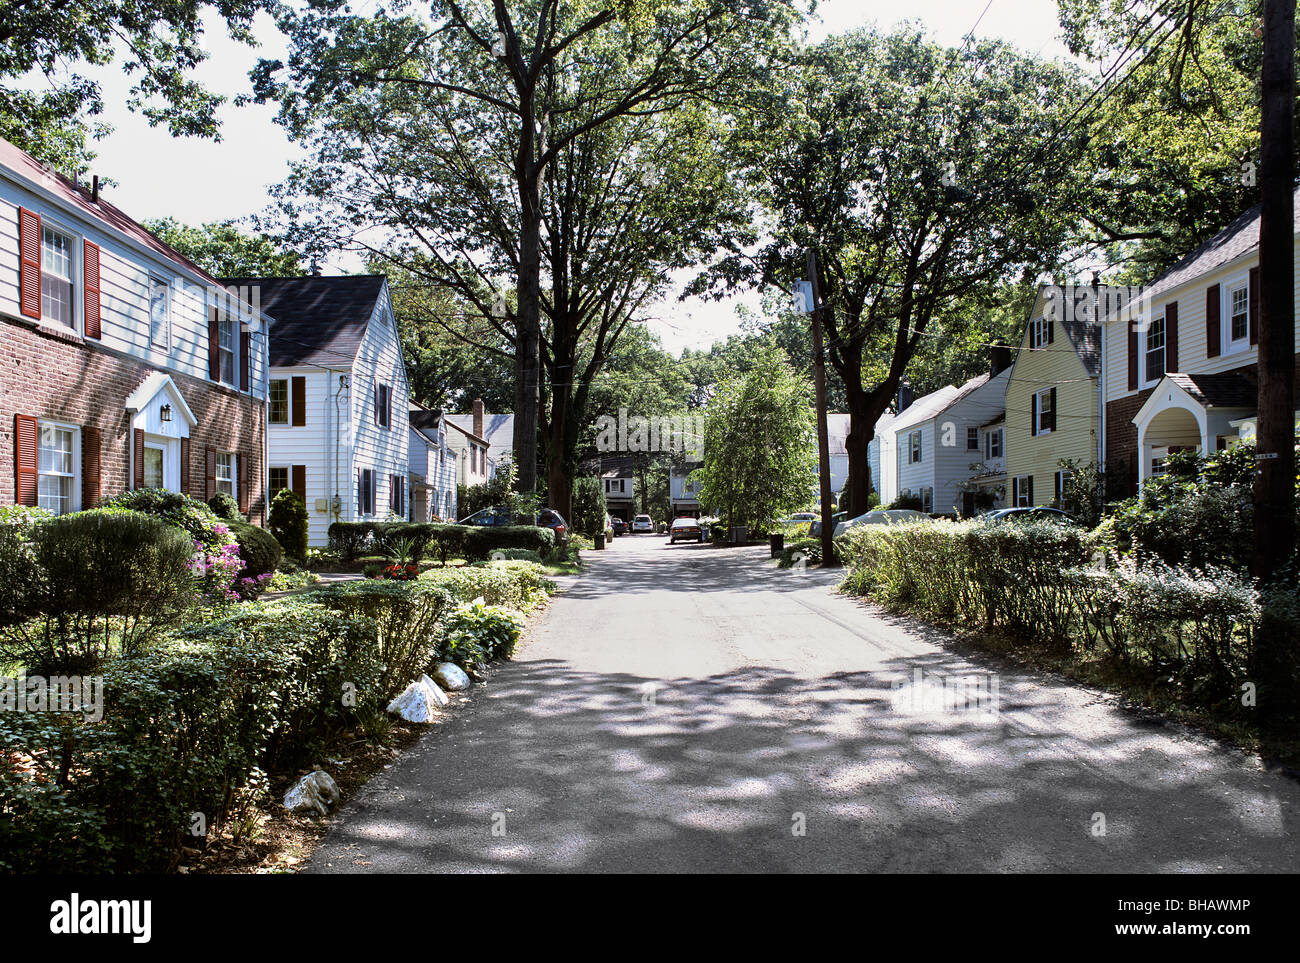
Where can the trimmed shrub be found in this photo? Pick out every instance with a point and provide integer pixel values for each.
(261, 553)
(353, 540)
(514, 584)
(589, 506)
(478, 632)
(288, 522)
(225, 507)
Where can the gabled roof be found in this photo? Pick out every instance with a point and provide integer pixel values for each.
(499, 429)
(1085, 338)
(424, 422)
(923, 408)
(108, 216)
(468, 433)
(318, 320)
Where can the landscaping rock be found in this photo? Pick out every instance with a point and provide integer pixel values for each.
(451, 676)
(419, 701)
(316, 790)
(440, 698)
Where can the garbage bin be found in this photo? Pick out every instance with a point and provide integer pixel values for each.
(776, 542)
(599, 540)
(738, 535)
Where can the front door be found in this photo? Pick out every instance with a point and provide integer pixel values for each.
(155, 462)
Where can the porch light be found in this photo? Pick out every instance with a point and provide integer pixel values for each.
(166, 413)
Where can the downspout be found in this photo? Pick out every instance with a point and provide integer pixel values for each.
(337, 505)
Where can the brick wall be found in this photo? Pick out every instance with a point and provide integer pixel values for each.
(47, 374)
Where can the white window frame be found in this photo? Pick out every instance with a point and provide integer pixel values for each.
(166, 342)
(927, 499)
(1060, 480)
(1038, 411)
(915, 452)
(1020, 491)
(992, 435)
(288, 479)
(973, 435)
(232, 480)
(161, 448)
(270, 397)
(1148, 351)
(1038, 334)
(74, 456)
(1231, 345)
(75, 247)
(225, 320)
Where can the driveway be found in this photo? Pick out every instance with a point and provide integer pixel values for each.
(692, 709)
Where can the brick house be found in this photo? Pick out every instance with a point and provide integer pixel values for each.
(1179, 365)
(122, 364)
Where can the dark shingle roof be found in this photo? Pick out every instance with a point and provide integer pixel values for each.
(1229, 389)
(1086, 339)
(316, 320)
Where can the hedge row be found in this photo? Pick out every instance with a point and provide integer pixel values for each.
(471, 542)
(1051, 583)
(191, 727)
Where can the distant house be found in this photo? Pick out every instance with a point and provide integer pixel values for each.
(907, 447)
(124, 366)
(1053, 404)
(1180, 370)
(471, 446)
(683, 491)
(498, 429)
(337, 410)
(620, 491)
(433, 467)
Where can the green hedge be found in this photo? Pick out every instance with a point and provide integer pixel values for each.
(471, 542)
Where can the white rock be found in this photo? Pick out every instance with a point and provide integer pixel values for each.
(316, 790)
(451, 676)
(439, 697)
(415, 704)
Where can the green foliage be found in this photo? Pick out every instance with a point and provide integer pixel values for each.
(515, 584)
(288, 522)
(589, 508)
(497, 490)
(759, 445)
(478, 632)
(261, 554)
(225, 507)
(1084, 494)
(91, 585)
(471, 542)
(904, 501)
(224, 251)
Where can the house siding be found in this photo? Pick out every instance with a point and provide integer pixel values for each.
(383, 450)
(313, 446)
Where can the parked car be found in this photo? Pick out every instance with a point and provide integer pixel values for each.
(1029, 513)
(686, 529)
(882, 516)
(620, 526)
(643, 523)
(815, 527)
(501, 515)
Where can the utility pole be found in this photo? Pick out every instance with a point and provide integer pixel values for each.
(823, 441)
(1275, 535)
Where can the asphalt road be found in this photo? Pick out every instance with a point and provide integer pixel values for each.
(693, 709)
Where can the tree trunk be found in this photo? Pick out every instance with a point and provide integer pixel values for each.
(559, 484)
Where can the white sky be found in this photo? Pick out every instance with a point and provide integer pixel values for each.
(198, 181)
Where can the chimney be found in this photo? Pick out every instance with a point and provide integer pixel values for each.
(94, 190)
(905, 397)
(999, 359)
(478, 417)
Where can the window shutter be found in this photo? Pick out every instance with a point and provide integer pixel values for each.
(210, 468)
(185, 466)
(1253, 308)
(298, 481)
(361, 492)
(370, 491)
(214, 343)
(90, 487)
(1212, 326)
(241, 469)
(1051, 331)
(1052, 420)
(1171, 337)
(245, 360)
(1029, 489)
(25, 460)
(138, 457)
(298, 393)
(388, 406)
(1132, 356)
(29, 268)
(1033, 414)
(90, 273)
(377, 421)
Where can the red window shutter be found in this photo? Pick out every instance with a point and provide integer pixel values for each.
(298, 481)
(246, 360)
(138, 457)
(90, 479)
(1171, 337)
(185, 466)
(1132, 356)
(299, 398)
(29, 267)
(242, 473)
(90, 271)
(25, 460)
(1212, 327)
(210, 462)
(214, 343)
(1254, 305)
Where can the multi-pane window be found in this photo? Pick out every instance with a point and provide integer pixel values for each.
(1239, 312)
(278, 410)
(1046, 412)
(279, 479)
(914, 447)
(993, 444)
(54, 468)
(384, 406)
(1039, 332)
(56, 277)
(1155, 353)
(1062, 482)
(226, 347)
(226, 473)
(927, 499)
(1021, 490)
(972, 439)
(159, 312)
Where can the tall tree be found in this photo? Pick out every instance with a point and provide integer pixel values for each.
(47, 107)
(436, 130)
(225, 251)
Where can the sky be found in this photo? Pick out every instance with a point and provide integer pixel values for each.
(197, 181)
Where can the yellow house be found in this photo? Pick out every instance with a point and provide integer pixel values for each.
(1053, 399)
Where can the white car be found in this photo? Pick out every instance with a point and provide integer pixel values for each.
(882, 516)
(643, 523)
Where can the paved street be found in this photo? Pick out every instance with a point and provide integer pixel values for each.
(687, 708)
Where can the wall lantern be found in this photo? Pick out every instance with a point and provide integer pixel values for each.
(166, 413)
